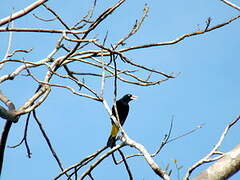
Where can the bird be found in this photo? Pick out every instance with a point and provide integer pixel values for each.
(122, 107)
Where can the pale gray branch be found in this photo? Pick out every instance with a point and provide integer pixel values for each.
(214, 151)
(224, 168)
(22, 12)
(9, 114)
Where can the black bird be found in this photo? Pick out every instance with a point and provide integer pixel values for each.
(122, 109)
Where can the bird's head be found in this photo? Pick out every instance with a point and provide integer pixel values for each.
(128, 97)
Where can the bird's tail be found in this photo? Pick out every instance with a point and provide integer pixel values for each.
(112, 138)
(111, 141)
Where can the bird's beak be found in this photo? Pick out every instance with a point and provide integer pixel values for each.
(133, 97)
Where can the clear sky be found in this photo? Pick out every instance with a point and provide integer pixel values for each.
(205, 92)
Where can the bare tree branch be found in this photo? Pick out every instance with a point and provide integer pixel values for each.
(164, 142)
(103, 62)
(180, 38)
(8, 47)
(39, 30)
(148, 158)
(24, 139)
(16, 51)
(82, 163)
(231, 4)
(29, 65)
(48, 142)
(214, 151)
(126, 164)
(43, 19)
(100, 159)
(22, 12)
(135, 28)
(224, 168)
(11, 116)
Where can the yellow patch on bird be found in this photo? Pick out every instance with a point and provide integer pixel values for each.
(114, 130)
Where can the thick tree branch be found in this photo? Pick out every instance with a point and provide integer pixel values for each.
(39, 30)
(12, 118)
(213, 152)
(148, 158)
(224, 168)
(8, 115)
(22, 12)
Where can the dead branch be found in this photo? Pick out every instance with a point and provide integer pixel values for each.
(148, 158)
(28, 65)
(98, 98)
(8, 47)
(22, 12)
(227, 165)
(180, 38)
(16, 51)
(164, 142)
(214, 151)
(103, 16)
(148, 77)
(11, 116)
(126, 164)
(82, 163)
(231, 4)
(48, 142)
(134, 29)
(86, 19)
(100, 159)
(39, 30)
(24, 139)
(43, 19)
(56, 16)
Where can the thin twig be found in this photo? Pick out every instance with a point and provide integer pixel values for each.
(48, 142)
(98, 98)
(9, 45)
(56, 16)
(135, 28)
(99, 160)
(126, 165)
(26, 65)
(82, 163)
(87, 18)
(43, 19)
(180, 38)
(208, 22)
(19, 50)
(24, 139)
(165, 141)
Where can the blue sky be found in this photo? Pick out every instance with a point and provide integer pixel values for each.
(206, 91)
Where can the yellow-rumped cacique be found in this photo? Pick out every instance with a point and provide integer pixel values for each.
(122, 109)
